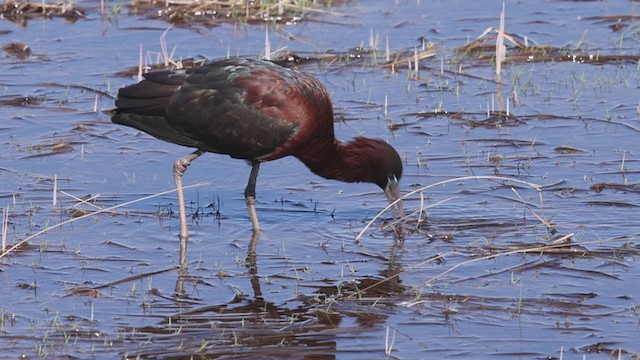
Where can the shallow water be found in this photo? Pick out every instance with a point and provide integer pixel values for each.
(453, 288)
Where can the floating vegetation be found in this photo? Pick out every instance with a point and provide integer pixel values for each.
(21, 101)
(211, 13)
(49, 149)
(521, 51)
(600, 187)
(132, 71)
(18, 50)
(19, 11)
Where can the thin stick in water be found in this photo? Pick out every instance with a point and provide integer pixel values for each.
(55, 190)
(5, 226)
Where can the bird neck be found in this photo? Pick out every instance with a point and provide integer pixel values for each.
(333, 159)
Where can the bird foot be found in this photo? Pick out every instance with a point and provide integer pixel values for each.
(180, 166)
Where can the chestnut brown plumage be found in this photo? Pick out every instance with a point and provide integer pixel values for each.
(255, 110)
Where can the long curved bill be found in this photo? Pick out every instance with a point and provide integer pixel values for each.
(392, 191)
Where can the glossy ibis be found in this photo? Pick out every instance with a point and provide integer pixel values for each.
(255, 110)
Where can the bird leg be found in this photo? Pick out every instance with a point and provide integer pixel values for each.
(179, 167)
(392, 191)
(250, 199)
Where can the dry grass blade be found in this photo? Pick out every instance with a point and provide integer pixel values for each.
(163, 46)
(479, 43)
(85, 290)
(464, 178)
(111, 208)
(544, 221)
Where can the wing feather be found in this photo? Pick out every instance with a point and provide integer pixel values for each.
(212, 107)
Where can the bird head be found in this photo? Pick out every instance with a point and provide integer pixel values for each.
(384, 168)
(389, 178)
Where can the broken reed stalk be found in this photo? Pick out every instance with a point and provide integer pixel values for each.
(387, 55)
(388, 345)
(83, 201)
(500, 48)
(55, 190)
(95, 103)
(5, 226)
(386, 106)
(111, 208)
(163, 46)
(372, 44)
(267, 44)
(464, 178)
(540, 218)
(421, 209)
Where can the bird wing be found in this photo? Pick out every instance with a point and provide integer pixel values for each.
(142, 106)
(235, 107)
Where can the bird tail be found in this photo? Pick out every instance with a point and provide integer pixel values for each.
(143, 106)
(151, 95)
